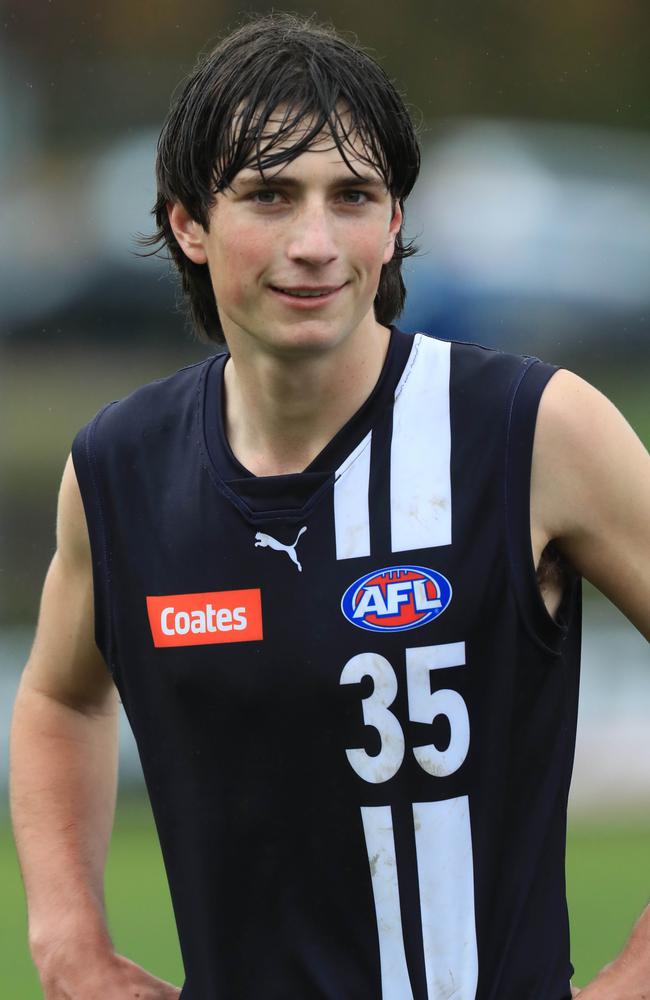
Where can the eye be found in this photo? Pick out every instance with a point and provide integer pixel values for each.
(354, 197)
(265, 196)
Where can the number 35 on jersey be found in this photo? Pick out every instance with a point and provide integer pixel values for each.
(442, 829)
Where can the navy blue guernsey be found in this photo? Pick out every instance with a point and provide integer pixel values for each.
(356, 718)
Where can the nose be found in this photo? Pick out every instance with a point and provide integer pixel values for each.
(312, 239)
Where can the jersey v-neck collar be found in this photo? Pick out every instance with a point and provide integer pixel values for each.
(292, 492)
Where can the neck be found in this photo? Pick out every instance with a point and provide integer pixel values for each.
(282, 410)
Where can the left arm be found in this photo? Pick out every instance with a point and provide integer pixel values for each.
(590, 494)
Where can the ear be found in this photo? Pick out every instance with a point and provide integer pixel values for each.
(190, 235)
(393, 230)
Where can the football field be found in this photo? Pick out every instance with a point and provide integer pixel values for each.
(608, 886)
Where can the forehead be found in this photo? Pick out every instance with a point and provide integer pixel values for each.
(318, 163)
(287, 143)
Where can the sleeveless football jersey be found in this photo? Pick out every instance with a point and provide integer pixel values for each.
(356, 718)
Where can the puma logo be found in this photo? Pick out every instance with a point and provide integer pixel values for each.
(273, 543)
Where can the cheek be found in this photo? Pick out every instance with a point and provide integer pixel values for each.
(236, 263)
(374, 261)
(371, 250)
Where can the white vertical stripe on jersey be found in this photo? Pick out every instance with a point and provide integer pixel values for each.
(443, 843)
(351, 517)
(420, 478)
(380, 844)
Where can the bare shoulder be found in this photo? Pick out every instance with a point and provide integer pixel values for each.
(590, 492)
(65, 663)
(585, 458)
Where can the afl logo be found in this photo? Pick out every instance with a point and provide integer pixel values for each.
(396, 598)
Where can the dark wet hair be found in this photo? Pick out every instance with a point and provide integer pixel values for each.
(216, 127)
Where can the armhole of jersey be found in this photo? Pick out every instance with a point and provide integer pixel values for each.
(83, 458)
(520, 433)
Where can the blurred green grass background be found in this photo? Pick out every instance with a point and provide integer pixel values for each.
(607, 884)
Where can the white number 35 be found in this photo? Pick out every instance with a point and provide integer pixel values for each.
(424, 706)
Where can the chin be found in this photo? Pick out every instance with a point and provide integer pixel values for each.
(306, 336)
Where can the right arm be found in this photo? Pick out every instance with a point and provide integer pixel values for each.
(63, 781)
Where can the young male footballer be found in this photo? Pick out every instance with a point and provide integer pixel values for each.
(332, 573)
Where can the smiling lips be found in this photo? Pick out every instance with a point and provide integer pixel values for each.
(306, 295)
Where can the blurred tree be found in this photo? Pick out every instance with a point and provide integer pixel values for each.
(116, 63)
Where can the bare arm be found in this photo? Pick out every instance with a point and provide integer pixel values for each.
(63, 781)
(591, 494)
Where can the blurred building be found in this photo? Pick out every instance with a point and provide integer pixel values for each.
(533, 234)
(529, 235)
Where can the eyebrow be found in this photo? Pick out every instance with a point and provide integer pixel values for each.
(277, 180)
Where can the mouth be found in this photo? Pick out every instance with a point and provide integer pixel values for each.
(306, 296)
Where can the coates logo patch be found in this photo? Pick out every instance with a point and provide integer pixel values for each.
(396, 598)
(202, 619)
